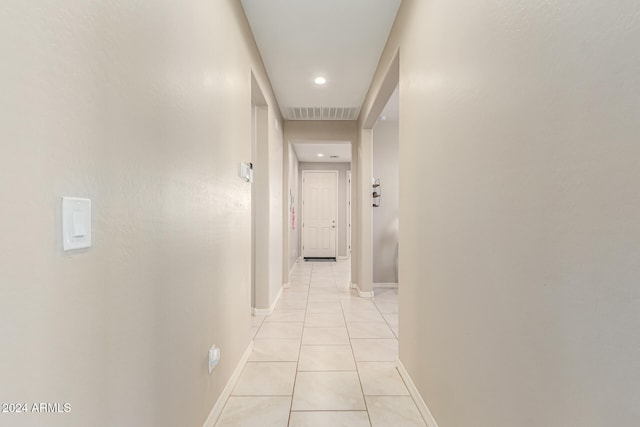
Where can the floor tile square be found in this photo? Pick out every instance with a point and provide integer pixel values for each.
(326, 358)
(292, 330)
(392, 411)
(266, 379)
(375, 350)
(326, 336)
(355, 315)
(284, 315)
(255, 411)
(358, 304)
(328, 297)
(324, 320)
(369, 330)
(329, 419)
(275, 350)
(324, 307)
(323, 284)
(292, 303)
(381, 379)
(322, 391)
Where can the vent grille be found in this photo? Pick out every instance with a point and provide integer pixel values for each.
(322, 113)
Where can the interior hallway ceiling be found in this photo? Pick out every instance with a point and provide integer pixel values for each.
(309, 151)
(340, 40)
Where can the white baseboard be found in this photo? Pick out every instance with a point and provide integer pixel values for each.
(226, 392)
(417, 397)
(363, 294)
(268, 311)
(343, 258)
(386, 285)
(353, 285)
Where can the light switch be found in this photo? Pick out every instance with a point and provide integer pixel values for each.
(76, 223)
(246, 172)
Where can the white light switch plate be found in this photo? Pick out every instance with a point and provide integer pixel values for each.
(246, 172)
(214, 357)
(76, 223)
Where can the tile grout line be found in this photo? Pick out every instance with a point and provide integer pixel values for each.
(364, 399)
(295, 379)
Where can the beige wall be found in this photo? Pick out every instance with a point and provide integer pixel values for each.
(385, 217)
(519, 210)
(144, 108)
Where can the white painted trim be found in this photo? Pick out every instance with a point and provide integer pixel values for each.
(343, 258)
(363, 294)
(286, 285)
(386, 285)
(216, 411)
(353, 285)
(349, 219)
(268, 311)
(417, 397)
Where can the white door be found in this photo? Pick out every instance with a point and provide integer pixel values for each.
(319, 213)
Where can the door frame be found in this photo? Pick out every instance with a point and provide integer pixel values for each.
(349, 214)
(259, 215)
(337, 173)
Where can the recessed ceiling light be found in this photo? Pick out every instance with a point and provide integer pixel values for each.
(320, 155)
(320, 80)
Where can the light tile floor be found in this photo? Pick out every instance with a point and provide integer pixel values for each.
(325, 357)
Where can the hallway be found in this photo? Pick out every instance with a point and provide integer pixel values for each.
(152, 201)
(325, 357)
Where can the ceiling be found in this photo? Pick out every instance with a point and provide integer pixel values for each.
(308, 151)
(341, 40)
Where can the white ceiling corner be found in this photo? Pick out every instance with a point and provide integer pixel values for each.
(341, 40)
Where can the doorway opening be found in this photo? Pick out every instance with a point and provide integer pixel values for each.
(324, 206)
(380, 263)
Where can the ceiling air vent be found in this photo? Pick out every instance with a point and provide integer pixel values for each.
(322, 113)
